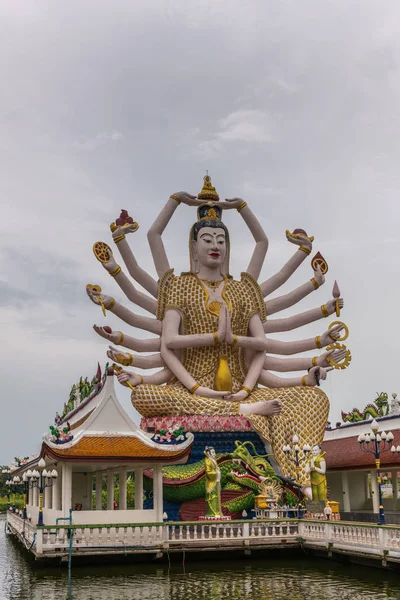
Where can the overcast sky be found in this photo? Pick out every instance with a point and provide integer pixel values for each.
(293, 106)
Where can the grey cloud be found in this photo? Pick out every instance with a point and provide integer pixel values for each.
(293, 106)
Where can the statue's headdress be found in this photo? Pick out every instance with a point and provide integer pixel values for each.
(209, 214)
(208, 191)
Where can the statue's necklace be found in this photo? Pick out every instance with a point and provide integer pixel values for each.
(213, 284)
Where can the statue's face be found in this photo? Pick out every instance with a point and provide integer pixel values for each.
(315, 450)
(210, 247)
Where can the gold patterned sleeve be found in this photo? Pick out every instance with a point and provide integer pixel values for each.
(164, 287)
(254, 295)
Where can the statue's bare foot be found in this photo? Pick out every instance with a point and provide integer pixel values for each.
(264, 407)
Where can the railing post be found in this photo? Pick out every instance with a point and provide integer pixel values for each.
(39, 541)
(246, 530)
(382, 539)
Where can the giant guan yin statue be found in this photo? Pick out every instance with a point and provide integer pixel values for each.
(213, 346)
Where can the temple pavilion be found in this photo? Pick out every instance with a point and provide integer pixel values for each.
(101, 440)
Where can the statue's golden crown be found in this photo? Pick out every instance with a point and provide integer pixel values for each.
(208, 191)
(210, 212)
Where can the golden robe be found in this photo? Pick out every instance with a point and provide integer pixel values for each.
(304, 409)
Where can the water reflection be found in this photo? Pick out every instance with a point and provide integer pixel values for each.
(21, 579)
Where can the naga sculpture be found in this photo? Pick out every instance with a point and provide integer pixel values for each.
(379, 408)
(212, 331)
(242, 474)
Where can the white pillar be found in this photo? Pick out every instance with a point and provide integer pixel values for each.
(122, 488)
(30, 494)
(110, 490)
(99, 489)
(395, 486)
(57, 491)
(66, 489)
(35, 495)
(346, 491)
(375, 493)
(139, 488)
(158, 492)
(48, 496)
(89, 490)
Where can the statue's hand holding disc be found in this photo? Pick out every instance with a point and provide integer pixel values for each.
(332, 334)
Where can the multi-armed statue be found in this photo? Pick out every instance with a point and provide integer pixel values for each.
(212, 330)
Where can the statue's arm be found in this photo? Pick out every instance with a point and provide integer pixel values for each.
(274, 282)
(310, 379)
(175, 341)
(258, 357)
(134, 269)
(278, 347)
(120, 339)
(285, 365)
(181, 373)
(141, 362)
(322, 468)
(309, 316)
(127, 286)
(277, 304)
(134, 379)
(258, 233)
(147, 323)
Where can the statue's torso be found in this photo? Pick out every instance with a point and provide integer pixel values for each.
(192, 298)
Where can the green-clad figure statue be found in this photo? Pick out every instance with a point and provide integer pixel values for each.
(316, 467)
(213, 484)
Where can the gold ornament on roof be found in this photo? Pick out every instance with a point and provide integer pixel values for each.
(208, 191)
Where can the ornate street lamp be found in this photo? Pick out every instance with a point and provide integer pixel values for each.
(292, 455)
(376, 443)
(13, 486)
(41, 479)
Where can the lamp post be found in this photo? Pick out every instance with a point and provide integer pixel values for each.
(13, 485)
(41, 479)
(292, 455)
(377, 443)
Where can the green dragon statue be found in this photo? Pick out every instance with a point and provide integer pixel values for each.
(380, 408)
(241, 476)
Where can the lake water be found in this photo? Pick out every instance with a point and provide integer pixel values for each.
(266, 579)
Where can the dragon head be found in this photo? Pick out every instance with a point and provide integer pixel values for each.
(250, 470)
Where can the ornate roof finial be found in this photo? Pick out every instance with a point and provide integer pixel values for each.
(208, 192)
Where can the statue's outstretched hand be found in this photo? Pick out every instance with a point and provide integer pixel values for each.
(231, 203)
(319, 277)
(111, 265)
(299, 239)
(123, 358)
(336, 355)
(316, 374)
(187, 199)
(331, 305)
(331, 335)
(108, 334)
(99, 299)
(126, 377)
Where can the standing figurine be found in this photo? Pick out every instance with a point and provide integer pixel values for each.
(316, 467)
(213, 484)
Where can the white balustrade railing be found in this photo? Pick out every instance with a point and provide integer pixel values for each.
(56, 539)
